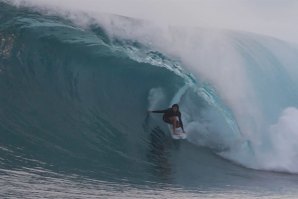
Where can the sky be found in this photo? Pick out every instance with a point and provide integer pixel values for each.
(275, 18)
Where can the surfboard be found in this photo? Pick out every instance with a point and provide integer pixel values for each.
(179, 133)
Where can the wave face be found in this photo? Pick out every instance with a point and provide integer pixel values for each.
(75, 99)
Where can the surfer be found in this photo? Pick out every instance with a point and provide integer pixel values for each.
(170, 116)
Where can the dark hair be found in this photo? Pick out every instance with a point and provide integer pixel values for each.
(175, 105)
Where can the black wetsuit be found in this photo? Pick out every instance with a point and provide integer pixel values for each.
(167, 113)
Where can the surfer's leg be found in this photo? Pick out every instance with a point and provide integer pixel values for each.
(174, 122)
(167, 120)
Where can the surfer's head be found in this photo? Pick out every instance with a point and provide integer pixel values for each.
(175, 107)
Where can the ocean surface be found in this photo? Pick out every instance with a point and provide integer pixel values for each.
(75, 95)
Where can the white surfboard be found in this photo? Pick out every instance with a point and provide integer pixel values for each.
(179, 133)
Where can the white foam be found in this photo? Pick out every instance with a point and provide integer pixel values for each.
(155, 97)
(284, 141)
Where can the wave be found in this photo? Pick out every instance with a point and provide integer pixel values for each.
(76, 97)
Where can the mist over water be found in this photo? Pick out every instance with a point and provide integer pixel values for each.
(269, 17)
(253, 80)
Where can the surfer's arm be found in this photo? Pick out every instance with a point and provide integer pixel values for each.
(159, 111)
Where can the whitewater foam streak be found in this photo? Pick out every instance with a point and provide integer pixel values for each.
(155, 97)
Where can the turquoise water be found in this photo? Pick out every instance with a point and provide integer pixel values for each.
(74, 122)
